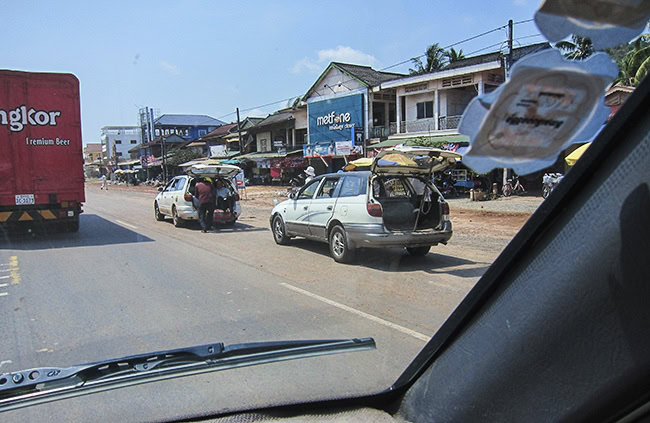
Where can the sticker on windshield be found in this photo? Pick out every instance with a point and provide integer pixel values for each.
(607, 23)
(548, 103)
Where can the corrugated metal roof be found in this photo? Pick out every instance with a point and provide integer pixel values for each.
(274, 119)
(366, 74)
(220, 131)
(431, 140)
(188, 120)
(267, 155)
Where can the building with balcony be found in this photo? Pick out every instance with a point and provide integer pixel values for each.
(92, 152)
(118, 140)
(431, 105)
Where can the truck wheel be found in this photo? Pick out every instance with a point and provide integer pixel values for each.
(156, 212)
(279, 233)
(73, 226)
(418, 251)
(339, 249)
(178, 222)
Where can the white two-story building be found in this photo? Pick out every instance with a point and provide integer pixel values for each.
(431, 105)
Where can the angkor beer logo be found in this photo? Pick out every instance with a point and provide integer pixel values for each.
(19, 117)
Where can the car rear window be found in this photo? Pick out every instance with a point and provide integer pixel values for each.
(352, 186)
(394, 187)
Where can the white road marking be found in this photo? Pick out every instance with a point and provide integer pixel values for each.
(126, 224)
(5, 277)
(3, 362)
(360, 313)
(3, 294)
(2, 285)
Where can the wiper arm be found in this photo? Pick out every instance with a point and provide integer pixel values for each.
(35, 386)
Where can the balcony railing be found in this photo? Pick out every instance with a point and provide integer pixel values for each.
(449, 122)
(383, 131)
(428, 125)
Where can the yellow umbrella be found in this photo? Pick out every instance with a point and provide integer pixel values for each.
(572, 158)
(358, 163)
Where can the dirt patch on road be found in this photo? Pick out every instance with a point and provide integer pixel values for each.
(479, 223)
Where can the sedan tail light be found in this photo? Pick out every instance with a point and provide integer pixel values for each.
(445, 210)
(374, 209)
(236, 196)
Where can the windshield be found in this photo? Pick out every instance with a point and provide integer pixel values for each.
(161, 183)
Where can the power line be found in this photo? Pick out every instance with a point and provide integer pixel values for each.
(406, 61)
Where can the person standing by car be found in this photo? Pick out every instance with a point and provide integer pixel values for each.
(204, 191)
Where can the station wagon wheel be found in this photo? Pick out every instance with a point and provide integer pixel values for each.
(339, 249)
(156, 212)
(418, 251)
(279, 233)
(178, 222)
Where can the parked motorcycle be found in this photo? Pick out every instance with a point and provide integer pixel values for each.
(513, 186)
(549, 182)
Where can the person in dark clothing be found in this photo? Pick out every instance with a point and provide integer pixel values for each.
(204, 192)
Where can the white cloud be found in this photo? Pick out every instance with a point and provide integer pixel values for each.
(337, 54)
(169, 67)
(254, 113)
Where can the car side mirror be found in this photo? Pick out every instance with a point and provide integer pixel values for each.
(292, 195)
(161, 188)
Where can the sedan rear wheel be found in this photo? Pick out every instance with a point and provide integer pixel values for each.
(339, 247)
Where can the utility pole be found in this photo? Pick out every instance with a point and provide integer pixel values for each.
(164, 154)
(241, 141)
(510, 39)
(508, 67)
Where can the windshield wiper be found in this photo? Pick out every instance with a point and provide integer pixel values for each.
(35, 386)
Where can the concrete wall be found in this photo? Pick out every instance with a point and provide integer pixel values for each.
(301, 120)
(332, 80)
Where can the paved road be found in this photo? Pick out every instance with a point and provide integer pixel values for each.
(126, 284)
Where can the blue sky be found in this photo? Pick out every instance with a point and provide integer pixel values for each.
(208, 57)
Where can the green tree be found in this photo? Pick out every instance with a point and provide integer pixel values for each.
(453, 56)
(634, 65)
(435, 60)
(182, 156)
(579, 48)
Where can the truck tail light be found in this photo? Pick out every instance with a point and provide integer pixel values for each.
(374, 209)
(188, 197)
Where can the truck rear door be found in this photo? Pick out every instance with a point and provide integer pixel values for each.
(41, 159)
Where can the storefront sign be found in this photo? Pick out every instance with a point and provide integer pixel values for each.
(241, 181)
(327, 149)
(415, 88)
(218, 150)
(333, 119)
(344, 148)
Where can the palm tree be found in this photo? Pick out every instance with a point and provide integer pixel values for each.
(635, 64)
(579, 48)
(453, 56)
(435, 61)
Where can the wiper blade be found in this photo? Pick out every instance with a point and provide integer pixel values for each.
(35, 386)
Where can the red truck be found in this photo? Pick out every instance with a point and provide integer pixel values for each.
(41, 157)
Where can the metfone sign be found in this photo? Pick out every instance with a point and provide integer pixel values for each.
(333, 120)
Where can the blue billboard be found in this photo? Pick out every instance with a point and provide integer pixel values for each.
(334, 119)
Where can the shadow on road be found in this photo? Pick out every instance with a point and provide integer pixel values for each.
(399, 260)
(93, 231)
(237, 227)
